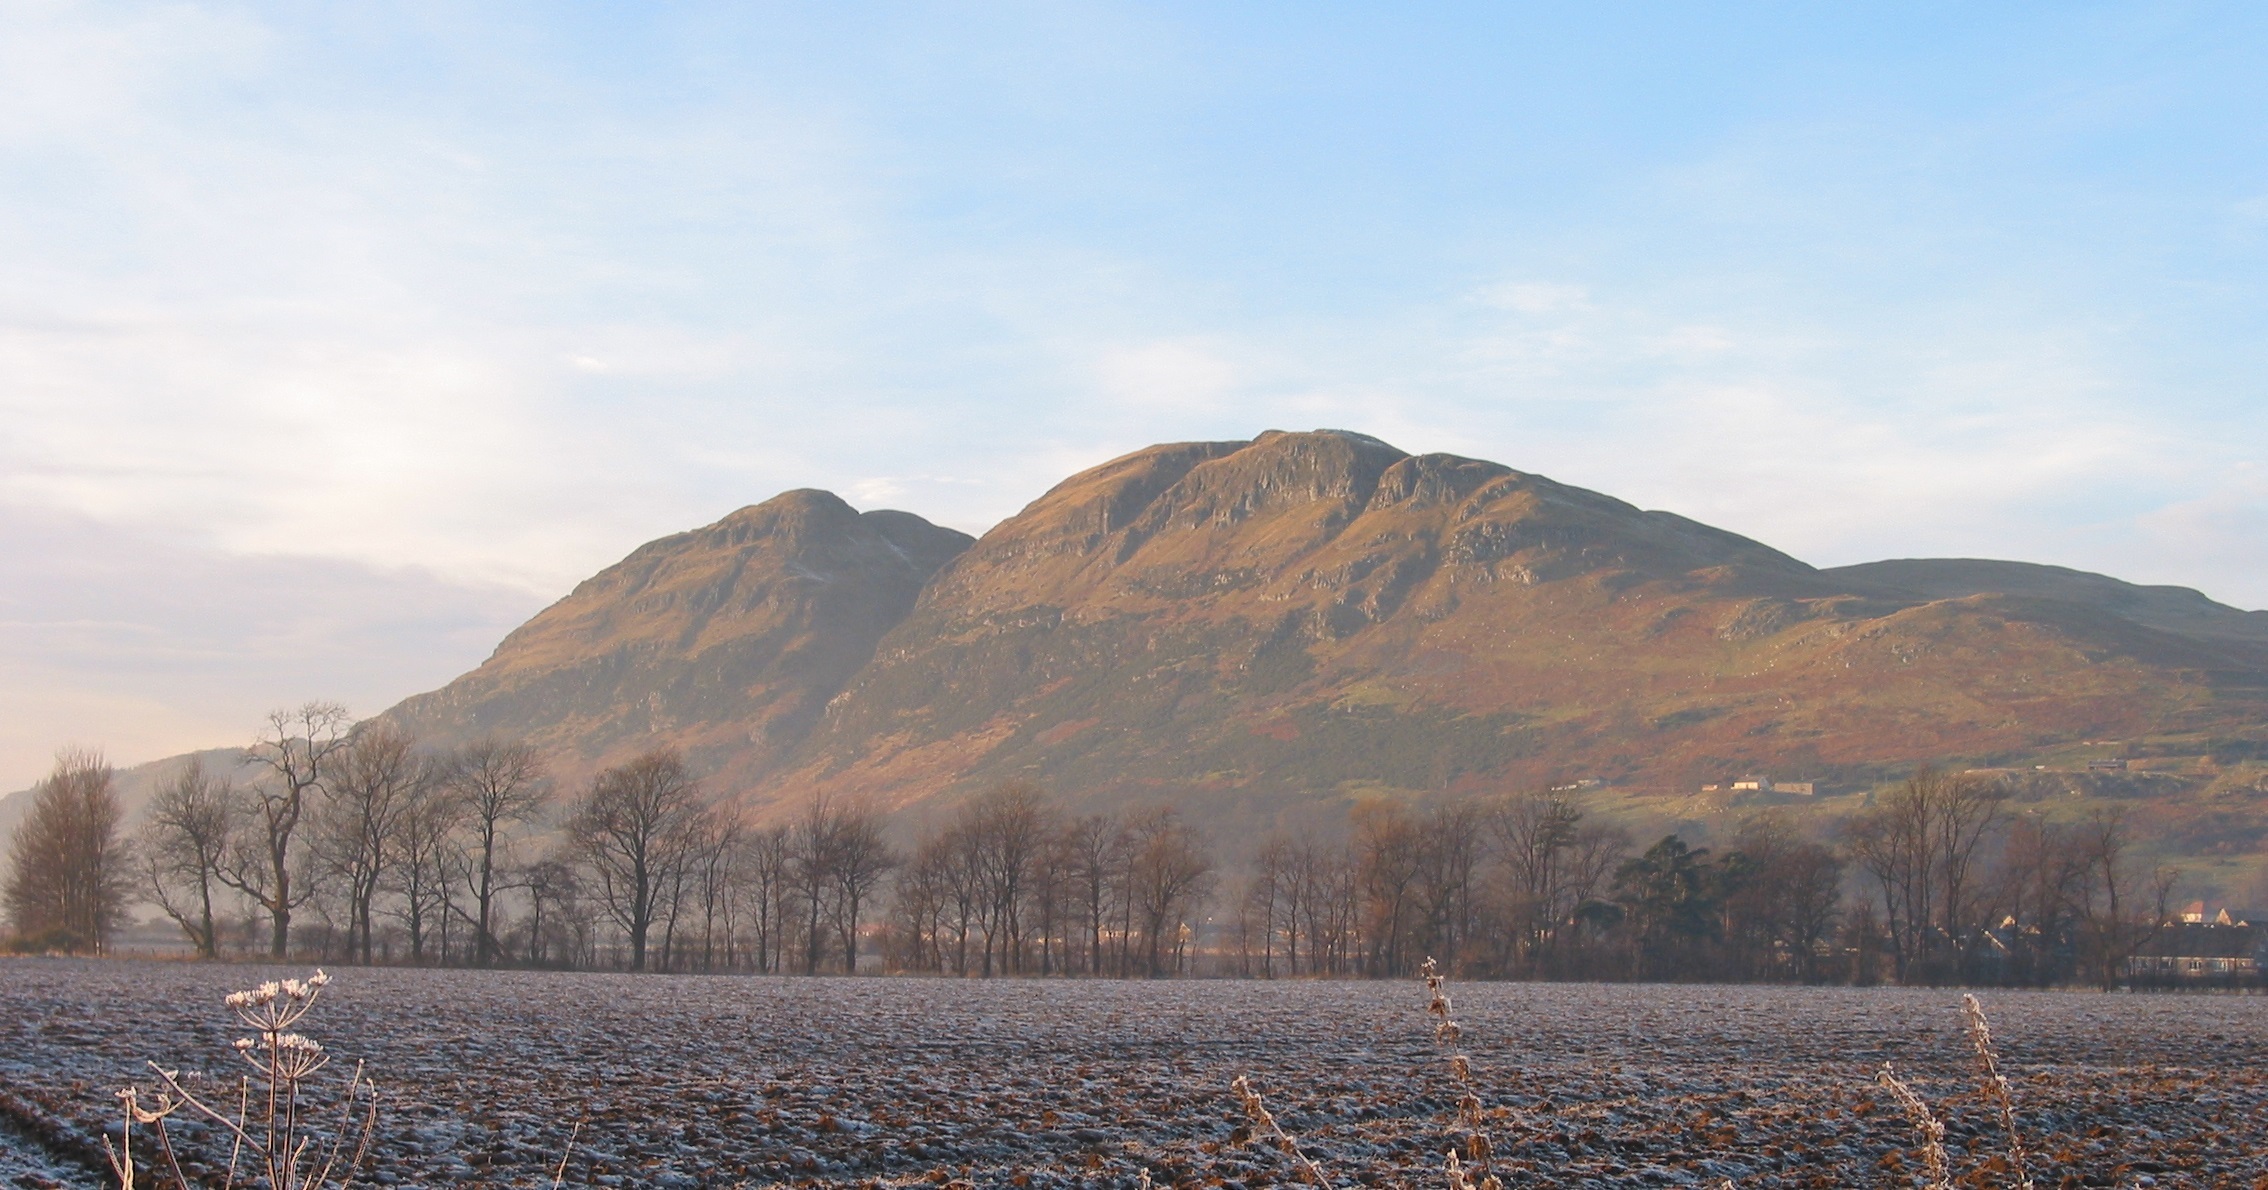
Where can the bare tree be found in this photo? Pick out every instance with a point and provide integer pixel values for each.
(767, 863)
(553, 888)
(861, 859)
(1169, 877)
(720, 843)
(1097, 848)
(2120, 904)
(1781, 893)
(1388, 849)
(1969, 811)
(633, 830)
(185, 837)
(1534, 832)
(2043, 869)
(69, 872)
(1921, 843)
(296, 752)
(499, 786)
(376, 782)
(811, 868)
(1449, 859)
(424, 855)
(1269, 907)
(1008, 826)
(1051, 895)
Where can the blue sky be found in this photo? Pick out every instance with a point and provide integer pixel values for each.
(335, 340)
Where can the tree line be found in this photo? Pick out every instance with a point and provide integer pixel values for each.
(349, 842)
(1937, 880)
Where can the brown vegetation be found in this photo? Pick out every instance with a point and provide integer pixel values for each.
(69, 877)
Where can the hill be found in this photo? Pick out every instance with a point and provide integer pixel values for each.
(726, 641)
(1267, 631)
(1271, 627)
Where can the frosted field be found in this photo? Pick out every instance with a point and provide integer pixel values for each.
(688, 1081)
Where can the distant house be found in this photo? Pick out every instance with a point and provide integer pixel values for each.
(2107, 766)
(1768, 785)
(2225, 951)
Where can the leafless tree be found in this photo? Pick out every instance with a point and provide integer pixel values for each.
(633, 830)
(1169, 879)
(296, 753)
(1782, 895)
(1921, 842)
(1534, 832)
(1096, 848)
(499, 786)
(375, 783)
(1269, 905)
(719, 844)
(1051, 895)
(811, 870)
(185, 839)
(1008, 826)
(1451, 847)
(70, 876)
(861, 859)
(1388, 852)
(765, 866)
(2042, 870)
(554, 890)
(423, 868)
(2120, 904)
(916, 916)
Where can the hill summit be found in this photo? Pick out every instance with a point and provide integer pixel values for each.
(1251, 628)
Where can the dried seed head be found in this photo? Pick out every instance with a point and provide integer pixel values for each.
(1926, 1125)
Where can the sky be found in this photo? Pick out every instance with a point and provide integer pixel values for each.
(335, 340)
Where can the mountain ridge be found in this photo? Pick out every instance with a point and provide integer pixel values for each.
(1273, 629)
(1439, 622)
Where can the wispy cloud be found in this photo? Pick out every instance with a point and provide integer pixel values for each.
(489, 296)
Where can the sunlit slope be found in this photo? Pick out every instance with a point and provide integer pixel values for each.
(1308, 616)
(726, 641)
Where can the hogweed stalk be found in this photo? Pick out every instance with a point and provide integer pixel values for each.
(274, 1128)
(559, 1175)
(121, 1155)
(1996, 1087)
(1446, 1033)
(1264, 1125)
(1927, 1126)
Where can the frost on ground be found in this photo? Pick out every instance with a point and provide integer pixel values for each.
(25, 1164)
(688, 1081)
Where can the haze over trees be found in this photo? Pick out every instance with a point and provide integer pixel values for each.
(351, 842)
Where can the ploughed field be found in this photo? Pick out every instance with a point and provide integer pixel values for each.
(691, 1081)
